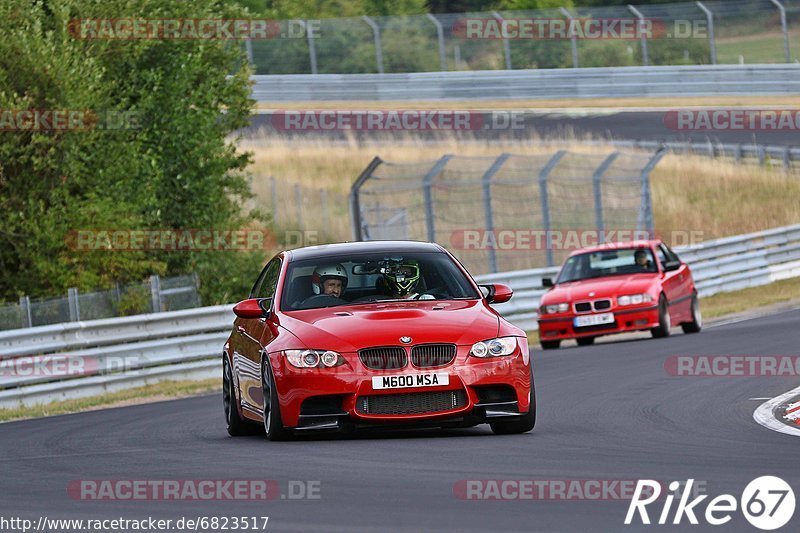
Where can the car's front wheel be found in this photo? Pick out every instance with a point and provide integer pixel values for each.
(523, 424)
(664, 322)
(697, 318)
(237, 426)
(273, 426)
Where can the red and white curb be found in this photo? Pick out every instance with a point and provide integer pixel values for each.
(781, 414)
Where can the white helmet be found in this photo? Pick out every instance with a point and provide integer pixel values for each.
(321, 273)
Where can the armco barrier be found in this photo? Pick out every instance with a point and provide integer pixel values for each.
(188, 344)
(605, 82)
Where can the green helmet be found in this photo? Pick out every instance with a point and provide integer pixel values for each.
(401, 278)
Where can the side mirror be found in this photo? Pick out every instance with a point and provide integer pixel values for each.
(498, 293)
(547, 282)
(252, 308)
(669, 266)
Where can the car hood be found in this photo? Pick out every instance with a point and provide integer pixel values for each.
(351, 328)
(601, 287)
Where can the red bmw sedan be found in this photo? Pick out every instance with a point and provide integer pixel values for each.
(383, 333)
(612, 288)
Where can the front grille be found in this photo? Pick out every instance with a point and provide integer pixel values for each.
(414, 403)
(600, 305)
(383, 358)
(431, 355)
(583, 307)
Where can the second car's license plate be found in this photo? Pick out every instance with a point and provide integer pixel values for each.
(594, 320)
(410, 380)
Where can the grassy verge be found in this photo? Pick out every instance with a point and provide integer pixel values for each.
(783, 291)
(164, 390)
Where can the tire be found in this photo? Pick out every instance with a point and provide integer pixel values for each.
(664, 322)
(697, 318)
(236, 425)
(550, 345)
(585, 341)
(524, 423)
(271, 412)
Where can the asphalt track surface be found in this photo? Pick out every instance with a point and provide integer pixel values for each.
(640, 125)
(608, 411)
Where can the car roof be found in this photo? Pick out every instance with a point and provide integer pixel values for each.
(618, 246)
(343, 248)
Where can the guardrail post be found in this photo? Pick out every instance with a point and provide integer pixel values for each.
(573, 39)
(427, 183)
(598, 194)
(25, 305)
(312, 48)
(487, 205)
(376, 32)
(543, 175)
(638, 14)
(74, 305)
(645, 206)
(784, 29)
(787, 157)
(711, 41)
(506, 44)
(155, 293)
(355, 202)
(440, 38)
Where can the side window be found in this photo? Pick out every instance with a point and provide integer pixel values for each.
(670, 254)
(663, 256)
(268, 281)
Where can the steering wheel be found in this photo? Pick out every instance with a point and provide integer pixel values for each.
(321, 300)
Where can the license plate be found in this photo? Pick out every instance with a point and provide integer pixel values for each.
(594, 320)
(403, 381)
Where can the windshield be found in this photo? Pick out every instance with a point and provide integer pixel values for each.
(365, 278)
(607, 263)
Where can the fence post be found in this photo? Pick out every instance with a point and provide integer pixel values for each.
(248, 46)
(312, 48)
(155, 293)
(543, 175)
(711, 41)
(25, 305)
(487, 205)
(74, 306)
(784, 29)
(506, 45)
(638, 14)
(573, 39)
(427, 183)
(598, 194)
(355, 201)
(376, 32)
(440, 38)
(298, 198)
(645, 205)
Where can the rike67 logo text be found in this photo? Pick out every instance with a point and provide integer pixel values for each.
(767, 502)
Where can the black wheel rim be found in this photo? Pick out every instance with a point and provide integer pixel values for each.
(267, 387)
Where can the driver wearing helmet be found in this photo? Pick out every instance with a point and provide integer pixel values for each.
(330, 280)
(401, 280)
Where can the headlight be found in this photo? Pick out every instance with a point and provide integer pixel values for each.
(555, 308)
(634, 299)
(313, 358)
(494, 347)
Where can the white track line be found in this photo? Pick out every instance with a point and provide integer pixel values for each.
(763, 415)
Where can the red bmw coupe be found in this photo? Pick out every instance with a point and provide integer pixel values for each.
(380, 333)
(612, 288)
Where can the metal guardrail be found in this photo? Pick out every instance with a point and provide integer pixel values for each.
(605, 82)
(188, 344)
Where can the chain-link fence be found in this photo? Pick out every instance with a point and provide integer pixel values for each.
(708, 32)
(155, 296)
(511, 212)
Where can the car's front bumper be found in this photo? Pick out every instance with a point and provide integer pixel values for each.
(625, 319)
(478, 390)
